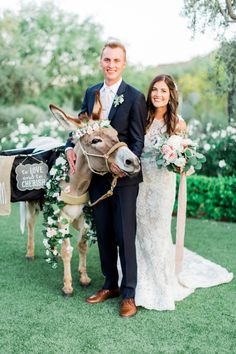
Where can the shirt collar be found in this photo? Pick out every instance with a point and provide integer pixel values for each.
(114, 88)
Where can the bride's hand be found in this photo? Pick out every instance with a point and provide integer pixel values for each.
(190, 171)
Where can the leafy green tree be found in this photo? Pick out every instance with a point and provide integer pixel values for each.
(226, 63)
(46, 54)
(218, 15)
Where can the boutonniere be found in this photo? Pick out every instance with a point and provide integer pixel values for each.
(118, 100)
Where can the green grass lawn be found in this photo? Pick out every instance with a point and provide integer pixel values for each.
(35, 318)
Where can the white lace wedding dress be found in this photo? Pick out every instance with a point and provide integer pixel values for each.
(157, 287)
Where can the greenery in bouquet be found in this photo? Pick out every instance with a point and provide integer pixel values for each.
(178, 154)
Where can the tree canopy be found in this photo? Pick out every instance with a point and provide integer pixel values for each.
(215, 14)
(44, 49)
(218, 15)
(48, 55)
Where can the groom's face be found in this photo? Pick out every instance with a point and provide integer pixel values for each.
(112, 63)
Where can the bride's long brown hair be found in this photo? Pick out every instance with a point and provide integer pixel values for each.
(170, 117)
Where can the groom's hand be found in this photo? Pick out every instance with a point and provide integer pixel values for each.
(71, 158)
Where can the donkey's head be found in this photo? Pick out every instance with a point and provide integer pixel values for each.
(99, 143)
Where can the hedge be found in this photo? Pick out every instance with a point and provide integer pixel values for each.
(211, 197)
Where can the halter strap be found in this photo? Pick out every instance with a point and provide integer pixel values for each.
(74, 200)
(107, 194)
(104, 156)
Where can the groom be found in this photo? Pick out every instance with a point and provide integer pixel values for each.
(115, 217)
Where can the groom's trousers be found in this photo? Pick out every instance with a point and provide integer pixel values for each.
(115, 219)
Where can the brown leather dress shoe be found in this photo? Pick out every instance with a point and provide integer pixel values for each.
(128, 308)
(102, 295)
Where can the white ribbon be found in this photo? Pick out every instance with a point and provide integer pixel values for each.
(181, 220)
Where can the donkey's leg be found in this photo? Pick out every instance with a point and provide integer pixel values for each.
(82, 248)
(66, 255)
(32, 210)
(82, 269)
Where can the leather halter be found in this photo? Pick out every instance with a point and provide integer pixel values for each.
(104, 156)
(75, 200)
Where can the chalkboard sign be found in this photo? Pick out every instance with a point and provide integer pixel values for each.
(31, 176)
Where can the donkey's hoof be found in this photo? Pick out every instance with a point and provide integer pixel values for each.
(66, 295)
(85, 284)
(29, 258)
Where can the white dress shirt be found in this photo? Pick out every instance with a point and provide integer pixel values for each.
(107, 95)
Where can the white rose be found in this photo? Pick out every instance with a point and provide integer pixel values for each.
(222, 163)
(50, 221)
(231, 130)
(89, 130)
(223, 134)
(23, 129)
(60, 161)
(207, 147)
(175, 141)
(105, 123)
(95, 126)
(214, 135)
(53, 171)
(180, 162)
(45, 242)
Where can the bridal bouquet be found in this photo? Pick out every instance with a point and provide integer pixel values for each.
(178, 154)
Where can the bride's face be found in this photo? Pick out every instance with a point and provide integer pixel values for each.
(160, 94)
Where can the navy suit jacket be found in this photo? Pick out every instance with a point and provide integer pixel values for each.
(128, 118)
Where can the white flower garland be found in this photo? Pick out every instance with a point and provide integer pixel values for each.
(52, 210)
(89, 128)
(53, 235)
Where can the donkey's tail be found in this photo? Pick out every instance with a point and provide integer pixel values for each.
(22, 216)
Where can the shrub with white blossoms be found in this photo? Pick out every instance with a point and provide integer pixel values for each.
(218, 145)
(23, 133)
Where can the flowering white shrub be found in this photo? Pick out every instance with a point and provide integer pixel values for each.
(23, 134)
(218, 145)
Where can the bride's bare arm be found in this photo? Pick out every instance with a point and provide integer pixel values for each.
(182, 127)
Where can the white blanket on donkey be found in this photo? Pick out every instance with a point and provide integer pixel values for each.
(5, 184)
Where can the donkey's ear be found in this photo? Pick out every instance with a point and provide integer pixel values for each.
(97, 107)
(68, 122)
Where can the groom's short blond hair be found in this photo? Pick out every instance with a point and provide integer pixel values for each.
(114, 44)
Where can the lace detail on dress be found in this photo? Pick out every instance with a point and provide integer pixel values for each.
(157, 287)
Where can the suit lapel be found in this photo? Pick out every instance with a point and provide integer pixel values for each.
(121, 90)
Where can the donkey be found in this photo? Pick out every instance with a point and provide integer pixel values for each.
(96, 148)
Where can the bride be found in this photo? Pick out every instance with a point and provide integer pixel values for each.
(158, 287)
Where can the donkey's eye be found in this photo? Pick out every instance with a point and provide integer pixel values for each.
(96, 140)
